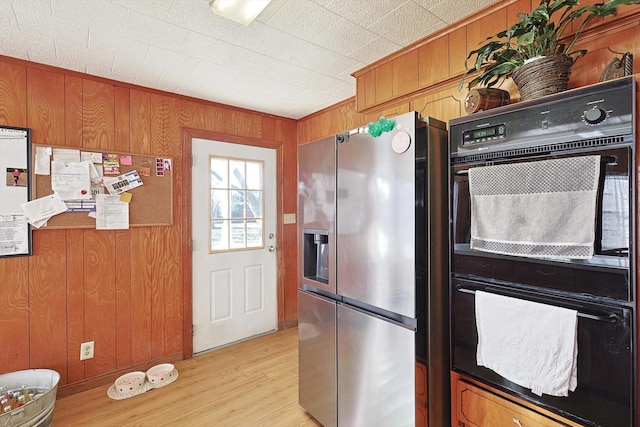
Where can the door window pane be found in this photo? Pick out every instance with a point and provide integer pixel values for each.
(237, 200)
(219, 173)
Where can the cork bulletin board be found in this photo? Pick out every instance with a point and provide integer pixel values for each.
(151, 203)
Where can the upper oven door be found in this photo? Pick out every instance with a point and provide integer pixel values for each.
(605, 274)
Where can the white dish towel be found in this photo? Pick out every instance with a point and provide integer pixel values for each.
(543, 208)
(531, 344)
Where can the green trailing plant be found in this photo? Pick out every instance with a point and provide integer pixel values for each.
(538, 33)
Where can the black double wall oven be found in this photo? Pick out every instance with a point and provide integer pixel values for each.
(542, 146)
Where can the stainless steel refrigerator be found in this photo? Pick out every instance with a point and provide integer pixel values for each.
(373, 296)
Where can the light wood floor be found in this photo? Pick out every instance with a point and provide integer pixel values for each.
(251, 384)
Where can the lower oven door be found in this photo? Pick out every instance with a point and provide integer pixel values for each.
(604, 395)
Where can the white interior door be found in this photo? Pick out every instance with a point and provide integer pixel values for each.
(233, 227)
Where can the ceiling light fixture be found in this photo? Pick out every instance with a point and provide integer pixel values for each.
(242, 11)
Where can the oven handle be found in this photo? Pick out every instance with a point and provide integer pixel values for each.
(611, 318)
(608, 160)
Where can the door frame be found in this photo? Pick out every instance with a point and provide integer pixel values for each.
(187, 279)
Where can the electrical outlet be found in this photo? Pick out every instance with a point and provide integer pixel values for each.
(86, 350)
(290, 218)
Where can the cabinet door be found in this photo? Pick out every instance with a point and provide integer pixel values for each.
(443, 105)
(480, 408)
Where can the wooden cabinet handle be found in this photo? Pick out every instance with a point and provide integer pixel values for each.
(517, 422)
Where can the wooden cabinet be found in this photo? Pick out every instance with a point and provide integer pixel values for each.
(421, 395)
(475, 406)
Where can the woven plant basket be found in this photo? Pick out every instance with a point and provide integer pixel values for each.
(543, 76)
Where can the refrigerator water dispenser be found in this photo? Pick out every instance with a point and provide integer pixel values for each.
(316, 255)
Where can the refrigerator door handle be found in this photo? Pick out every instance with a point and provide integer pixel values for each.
(402, 321)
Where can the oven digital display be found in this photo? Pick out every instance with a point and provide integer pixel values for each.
(483, 133)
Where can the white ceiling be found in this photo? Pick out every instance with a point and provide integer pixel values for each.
(295, 59)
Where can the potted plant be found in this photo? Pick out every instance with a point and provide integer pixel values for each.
(536, 47)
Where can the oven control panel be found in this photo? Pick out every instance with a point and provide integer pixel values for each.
(484, 134)
(597, 112)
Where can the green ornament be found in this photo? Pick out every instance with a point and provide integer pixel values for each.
(383, 124)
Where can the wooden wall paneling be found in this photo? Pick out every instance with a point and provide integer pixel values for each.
(433, 61)
(160, 118)
(194, 115)
(45, 106)
(600, 44)
(370, 90)
(13, 100)
(75, 302)
(521, 6)
(335, 119)
(142, 240)
(156, 256)
(229, 123)
(405, 73)
(478, 31)
(14, 316)
(288, 239)
(214, 119)
(73, 111)
(457, 51)
(388, 112)
(140, 121)
(575, 24)
(248, 124)
(365, 89)
(100, 300)
(122, 116)
(179, 114)
(361, 91)
(48, 302)
(269, 128)
(143, 123)
(14, 271)
(348, 113)
(384, 82)
(123, 324)
(98, 115)
(304, 131)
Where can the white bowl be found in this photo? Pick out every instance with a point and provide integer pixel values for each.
(130, 382)
(160, 373)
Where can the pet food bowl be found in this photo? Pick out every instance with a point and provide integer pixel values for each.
(131, 382)
(160, 373)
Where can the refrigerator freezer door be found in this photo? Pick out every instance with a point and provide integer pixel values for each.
(376, 219)
(317, 214)
(376, 372)
(317, 357)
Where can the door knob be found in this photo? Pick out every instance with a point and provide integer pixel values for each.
(272, 248)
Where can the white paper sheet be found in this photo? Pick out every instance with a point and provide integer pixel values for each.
(14, 238)
(71, 181)
(39, 211)
(111, 213)
(43, 161)
(69, 155)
